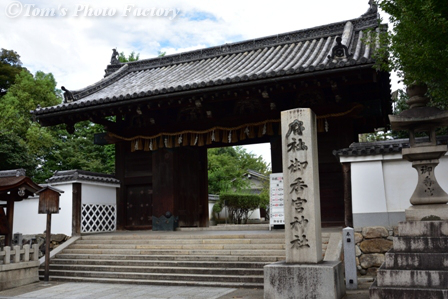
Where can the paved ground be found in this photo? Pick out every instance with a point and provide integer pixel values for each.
(70, 290)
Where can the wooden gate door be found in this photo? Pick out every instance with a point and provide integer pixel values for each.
(139, 207)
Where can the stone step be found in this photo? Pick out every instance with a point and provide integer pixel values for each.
(433, 279)
(183, 241)
(158, 282)
(177, 252)
(421, 244)
(195, 270)
(157, 263)
(408, 293)
(416, 261)
(181, 246)
(159, 276)
(230, 259)
(220, 258)
(183, 236)
(423, 229)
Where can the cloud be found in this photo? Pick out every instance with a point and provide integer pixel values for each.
(76, 47)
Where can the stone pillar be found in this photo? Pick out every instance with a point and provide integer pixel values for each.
(301, 187)
(303, 274)
(351, 276)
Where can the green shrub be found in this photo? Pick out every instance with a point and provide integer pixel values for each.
(240, 205)
(217, 208)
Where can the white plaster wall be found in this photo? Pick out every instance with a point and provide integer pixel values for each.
(385, 183)
(400, 180)
(62, 222)
(368, 192)
(442, 173)
(28, 221)
(99, 194)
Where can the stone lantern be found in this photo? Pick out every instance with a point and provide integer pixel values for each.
(428, 199)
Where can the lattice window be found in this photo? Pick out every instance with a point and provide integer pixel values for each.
(98, 218)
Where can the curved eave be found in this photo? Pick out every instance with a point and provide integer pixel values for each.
(113, 102)
(398, 122)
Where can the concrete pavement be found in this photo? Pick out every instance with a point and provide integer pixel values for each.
(71, 290)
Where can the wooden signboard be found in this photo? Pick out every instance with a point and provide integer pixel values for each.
(49, 200)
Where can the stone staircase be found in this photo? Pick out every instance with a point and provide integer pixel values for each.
(224, 259)
(417, 266)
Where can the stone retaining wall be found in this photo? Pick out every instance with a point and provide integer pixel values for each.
(18, 266)
(372, 243)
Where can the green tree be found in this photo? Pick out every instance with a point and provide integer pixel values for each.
(240, 205)
(76, 151)
(10, 67)
(14, 153)
(27, 140)
(27, 92)
(43, 150)
(227, 165)
(131, 57)
(418, 44)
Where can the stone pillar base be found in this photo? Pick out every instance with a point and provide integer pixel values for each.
(418, 212)
(320, 281)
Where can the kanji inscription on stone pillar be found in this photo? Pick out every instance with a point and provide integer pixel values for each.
(301, 184)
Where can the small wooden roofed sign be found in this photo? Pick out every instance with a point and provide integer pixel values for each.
(163, 113)
(14, 186)
(49, 200)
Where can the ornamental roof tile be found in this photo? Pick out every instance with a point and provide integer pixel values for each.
(381, 147)
(82, 175)
(281, 55)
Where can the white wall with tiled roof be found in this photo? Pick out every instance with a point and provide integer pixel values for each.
(382, 185)
(28, 221)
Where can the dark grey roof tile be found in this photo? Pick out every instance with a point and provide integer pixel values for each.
(82, 175)
(381, 147)
(278, 55)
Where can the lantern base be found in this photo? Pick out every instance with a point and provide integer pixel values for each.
(427, 212)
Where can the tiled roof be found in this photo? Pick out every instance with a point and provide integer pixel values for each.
(15, 178)
(381, 147)
(257, 175)
(281, 55)
(82, 175)
(13, 173)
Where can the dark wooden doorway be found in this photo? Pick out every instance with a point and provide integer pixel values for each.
(139, 207)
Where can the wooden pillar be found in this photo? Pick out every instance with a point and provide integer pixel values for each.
(203, 181)
(10, 218)
(164, 186)
(76, 210)
(348, 212)
(120, 174)
(276, 154)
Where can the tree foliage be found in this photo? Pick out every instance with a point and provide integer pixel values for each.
(27, 92)
(10, 67)
(131, 57)
(227, 165)
(240, 205)
(76, 151)
(24, 143)
(16, 124)
(418, 43)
